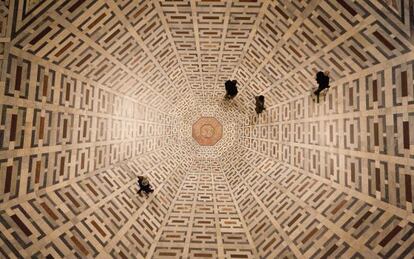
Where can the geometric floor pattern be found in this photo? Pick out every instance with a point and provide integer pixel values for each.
(94, 93)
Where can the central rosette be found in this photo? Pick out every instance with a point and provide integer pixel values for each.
(207, 131)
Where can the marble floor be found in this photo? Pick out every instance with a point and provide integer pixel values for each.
(94, 93)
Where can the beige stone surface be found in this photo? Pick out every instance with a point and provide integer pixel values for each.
(94, 93)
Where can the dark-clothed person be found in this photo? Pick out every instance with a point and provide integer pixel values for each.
(260, 104)
(144, 185)
(323, 83)
(231, 89)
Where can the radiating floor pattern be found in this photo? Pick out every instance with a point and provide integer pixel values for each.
(94, 93)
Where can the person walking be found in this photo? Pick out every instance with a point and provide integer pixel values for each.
(260, 104)
(144, 185)
(231, 89)
(323, 83)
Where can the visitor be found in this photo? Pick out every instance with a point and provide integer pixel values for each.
(260, 104)
(323, 83)
(231, 89)
(144, 185)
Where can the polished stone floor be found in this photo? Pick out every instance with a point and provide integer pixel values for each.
(94, 93)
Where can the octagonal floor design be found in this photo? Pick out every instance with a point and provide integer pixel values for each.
(95, 93)
(207, 131)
